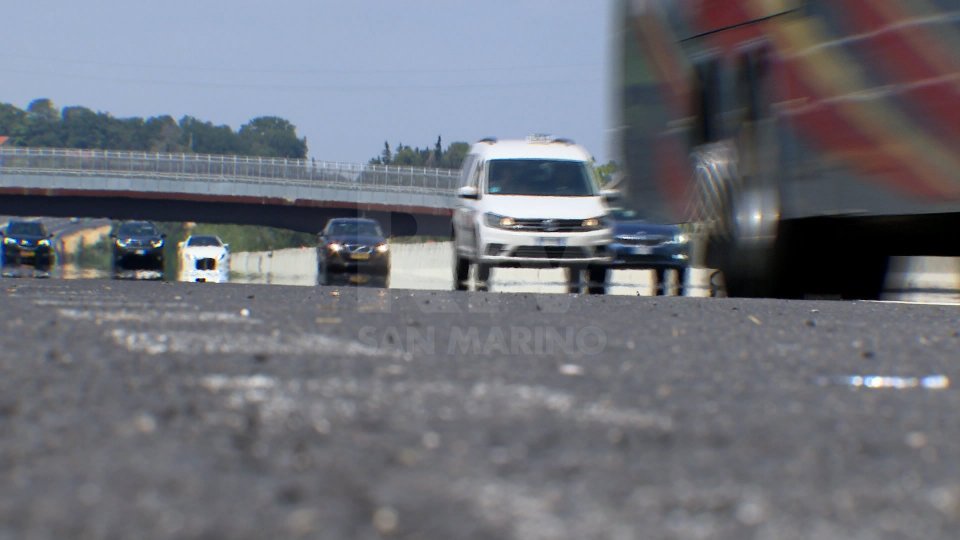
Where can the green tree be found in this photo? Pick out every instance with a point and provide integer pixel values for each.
(454, 155)
(12, 122)
(451, 158)
(162, 134)
(607, 171)
(42, 125)
(205, 138)
(270, 136)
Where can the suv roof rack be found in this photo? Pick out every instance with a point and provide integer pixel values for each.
(488, 140)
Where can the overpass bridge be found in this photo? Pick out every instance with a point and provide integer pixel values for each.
(294, 194)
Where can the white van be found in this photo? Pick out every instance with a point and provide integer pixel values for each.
(530, 203)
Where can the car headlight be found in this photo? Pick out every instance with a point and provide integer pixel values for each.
(44, 242)
(9, 240)
(382, 248)
(595, 223)
(223, 255)
(498, 221)
(681, 238)
(122, 243)
(157, 243)
(335, 247)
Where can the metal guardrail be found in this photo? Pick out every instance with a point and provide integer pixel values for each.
(227, 169)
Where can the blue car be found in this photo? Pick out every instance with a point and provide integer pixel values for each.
(640, 245)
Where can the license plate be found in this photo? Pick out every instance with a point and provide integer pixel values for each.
(359, 256)
(26, 254)
(141, 252)
(551, 241)
(642, 250)
(359, 279)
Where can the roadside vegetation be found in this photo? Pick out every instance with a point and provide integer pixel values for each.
(43, 125)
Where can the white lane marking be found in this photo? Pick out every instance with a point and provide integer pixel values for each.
(322, 400)
(107, 304)
(155, 316)
(276, 342)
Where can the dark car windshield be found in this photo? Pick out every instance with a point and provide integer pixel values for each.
(26, 228)
(354, 228)
(137, 229)
(204, 241)
(622, 214)
(540, 177)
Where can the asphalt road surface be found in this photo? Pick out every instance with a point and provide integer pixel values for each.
(197, 411)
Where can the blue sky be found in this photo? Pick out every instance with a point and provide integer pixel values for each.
(348, 74)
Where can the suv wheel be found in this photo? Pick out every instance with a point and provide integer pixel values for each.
(597, 279)
(574, 280)
(461, 271)
(483, 277)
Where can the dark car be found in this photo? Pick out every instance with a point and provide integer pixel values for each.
(640, 245)
(27, 242)
(137, 245)
(355, 250)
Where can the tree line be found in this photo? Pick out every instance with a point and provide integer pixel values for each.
(43, 125)
(436, 157)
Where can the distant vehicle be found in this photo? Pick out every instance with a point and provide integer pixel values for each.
(27, 242)
(355, 250)
(641, 245)
(137, 245)
(530, 203)
(807, 141)
(204, 258)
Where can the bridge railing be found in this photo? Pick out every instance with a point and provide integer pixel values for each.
(215, 168)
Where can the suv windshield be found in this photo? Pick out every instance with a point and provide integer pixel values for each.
(137, 229)
(204, 241)
(26, 228)
(354, 228)
(540, 177)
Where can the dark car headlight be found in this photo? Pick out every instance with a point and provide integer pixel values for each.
(382, 248)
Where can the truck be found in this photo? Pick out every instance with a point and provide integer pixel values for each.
(804, 142)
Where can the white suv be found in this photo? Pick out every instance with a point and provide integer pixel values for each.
(530, 203)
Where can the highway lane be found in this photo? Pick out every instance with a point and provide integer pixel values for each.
(176, 410)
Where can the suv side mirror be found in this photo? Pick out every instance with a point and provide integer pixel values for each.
(226, 247)
(468, 192)
(611, 195)
(163, 235)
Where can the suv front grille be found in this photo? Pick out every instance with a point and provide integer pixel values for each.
(551, 252)
(550, 225)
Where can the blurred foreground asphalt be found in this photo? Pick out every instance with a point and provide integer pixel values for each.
(198, 411)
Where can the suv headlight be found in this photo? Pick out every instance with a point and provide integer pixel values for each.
(382, 248)
(157, 243)
(499, 222)
(8, 240)
(44, 242)
(122, 243)
(595, 223)
(681, 238)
